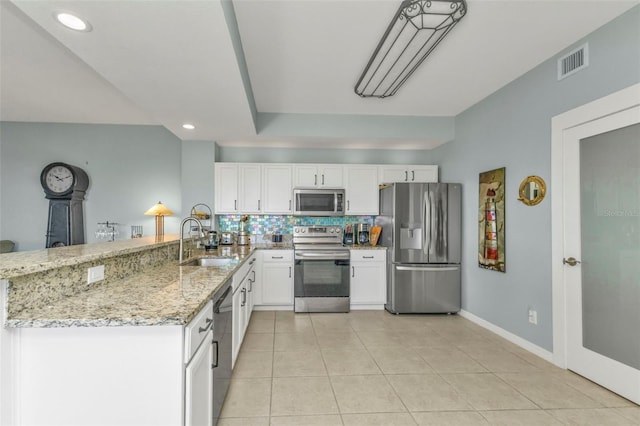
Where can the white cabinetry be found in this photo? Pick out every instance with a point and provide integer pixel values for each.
(199, 370)
(226, 188)
(277, 188)
(361, 188)
(404, 173)
(368, 278)
(242, 304)
(318, 175)
(277, 277)
(238, 188)
(142, 375)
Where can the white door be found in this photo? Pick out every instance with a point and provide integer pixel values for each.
(226, 187)
(602, 250)
(250, 188)
(361, 190)
(277, 189)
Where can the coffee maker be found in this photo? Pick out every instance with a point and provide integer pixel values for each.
(363, 233)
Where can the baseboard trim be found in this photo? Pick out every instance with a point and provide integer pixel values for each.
(517, 340)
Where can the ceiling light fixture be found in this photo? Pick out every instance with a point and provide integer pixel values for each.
(188, 126)
(415, 30)
(72, 21)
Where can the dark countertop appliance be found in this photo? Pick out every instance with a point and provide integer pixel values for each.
(421, 226)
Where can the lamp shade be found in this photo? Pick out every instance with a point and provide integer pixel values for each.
(159, 210)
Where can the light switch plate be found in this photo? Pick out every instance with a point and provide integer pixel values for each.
(95, 274)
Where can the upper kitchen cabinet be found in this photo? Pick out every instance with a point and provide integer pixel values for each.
(361, 189)
(238, 188)
(403, 173)
(318, 176)
(277, 188)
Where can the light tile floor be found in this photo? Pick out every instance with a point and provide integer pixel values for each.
(374, 368)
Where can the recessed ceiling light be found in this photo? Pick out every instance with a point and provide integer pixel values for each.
(72, 21)
(188, 126)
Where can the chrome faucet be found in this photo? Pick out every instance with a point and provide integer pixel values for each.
(184, 221)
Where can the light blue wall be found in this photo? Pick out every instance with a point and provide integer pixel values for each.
(197, 171)
(338, 156)
(512, 129)
(130, 169)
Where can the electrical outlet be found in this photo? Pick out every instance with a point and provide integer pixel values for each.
(95, 274)
(533, 316)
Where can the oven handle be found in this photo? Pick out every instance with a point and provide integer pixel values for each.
(328, 255)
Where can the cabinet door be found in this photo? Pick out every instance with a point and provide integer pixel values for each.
(226, 187)
(277, 184)
(305, 176)
(390, 174)
(250, 188)
(423, 174)
(277, 283)
(238, 326)
(199, 385)
(330, 176)
(368, 283)
(361, 189)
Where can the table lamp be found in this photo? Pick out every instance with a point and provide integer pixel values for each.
(159, 211)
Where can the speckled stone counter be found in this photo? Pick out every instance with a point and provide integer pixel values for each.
(143, 285)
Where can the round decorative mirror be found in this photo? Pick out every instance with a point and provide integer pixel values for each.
(532, 190)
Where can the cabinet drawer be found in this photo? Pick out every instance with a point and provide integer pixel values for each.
(277, 256)
(196, 330)
(368, 255)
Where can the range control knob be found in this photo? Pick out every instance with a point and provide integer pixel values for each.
(331, 230)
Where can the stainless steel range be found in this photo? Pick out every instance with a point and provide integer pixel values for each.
(321, 269)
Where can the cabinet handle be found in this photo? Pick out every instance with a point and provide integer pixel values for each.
(323, 178)
(413, 175)
(250, 285)
(315, 179)
(216, 364)
(277, 257)
(206, 327)
(353, 271)
(235, 204)
(244, 297)
(252, 260)
(348, 205)
(289, 205)
(367, 257)
(254, 275)
(406, 175)
(258, 204)
(289, 271)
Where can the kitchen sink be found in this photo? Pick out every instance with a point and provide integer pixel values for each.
(208, 261)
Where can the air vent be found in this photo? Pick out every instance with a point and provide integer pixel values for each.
(573, 61)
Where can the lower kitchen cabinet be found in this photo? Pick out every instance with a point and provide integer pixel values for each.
(142, 375)
(243, 290)
(277, 278)
(198, 408)
(368, 278)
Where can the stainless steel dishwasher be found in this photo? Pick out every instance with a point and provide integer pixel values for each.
(222, 332)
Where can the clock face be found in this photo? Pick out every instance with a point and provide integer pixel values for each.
(59, 179)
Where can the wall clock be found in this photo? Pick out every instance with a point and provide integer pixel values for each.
(64, 186)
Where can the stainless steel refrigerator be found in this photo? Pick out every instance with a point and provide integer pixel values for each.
(421, 228)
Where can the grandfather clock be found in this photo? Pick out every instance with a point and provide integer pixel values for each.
(64, 186)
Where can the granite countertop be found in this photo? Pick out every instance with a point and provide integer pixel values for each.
(365, 247)
(164, 295)
(167, 294)
(28, 262)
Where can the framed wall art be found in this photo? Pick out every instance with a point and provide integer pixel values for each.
(491, 219)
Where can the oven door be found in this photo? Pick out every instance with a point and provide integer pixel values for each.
(321, 281)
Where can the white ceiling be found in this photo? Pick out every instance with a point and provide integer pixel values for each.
(165, 62)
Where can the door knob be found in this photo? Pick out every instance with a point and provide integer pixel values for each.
(570, 261)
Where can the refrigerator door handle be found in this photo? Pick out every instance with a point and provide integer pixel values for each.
(426, 225)
(427, 268)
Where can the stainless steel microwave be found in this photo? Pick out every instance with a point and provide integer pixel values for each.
(318, 202)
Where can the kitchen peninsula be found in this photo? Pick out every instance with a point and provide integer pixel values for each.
(123, 350)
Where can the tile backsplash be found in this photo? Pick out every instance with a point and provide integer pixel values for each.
(263, 224)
